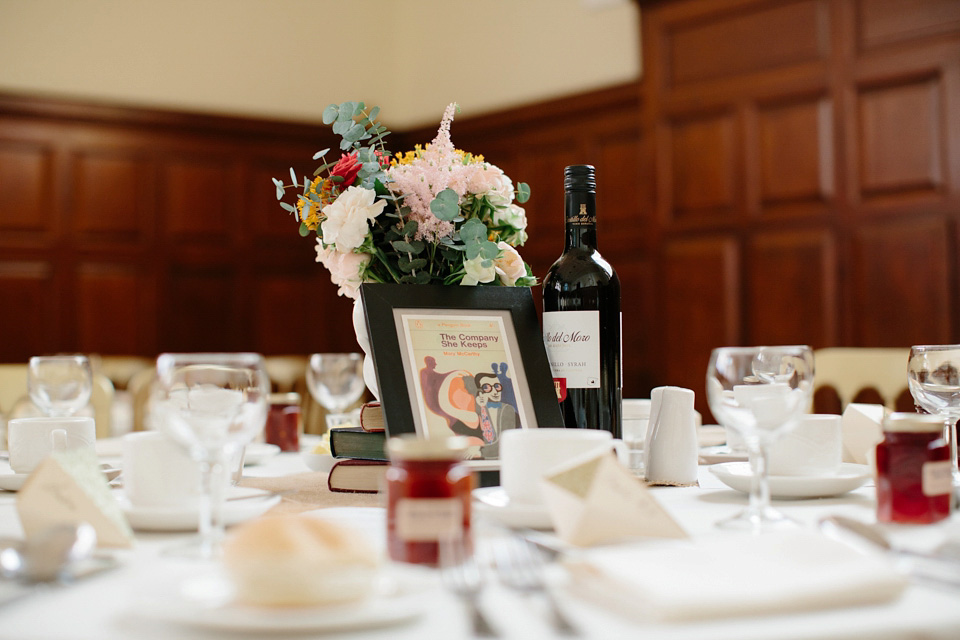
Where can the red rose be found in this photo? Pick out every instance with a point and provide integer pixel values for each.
(347, 167)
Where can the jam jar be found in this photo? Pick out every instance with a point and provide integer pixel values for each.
(428, 496)
(283, 421)
(914, 473)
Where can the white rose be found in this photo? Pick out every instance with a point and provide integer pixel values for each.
(490, 181)
(344, 268)
(511, 215)
(347, 218)
(477, 272)
(509, 265)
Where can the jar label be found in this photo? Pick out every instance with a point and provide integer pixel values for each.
(572, 339)
(428, 519)
(937, 478)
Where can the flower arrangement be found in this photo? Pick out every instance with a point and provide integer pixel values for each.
(434, 215)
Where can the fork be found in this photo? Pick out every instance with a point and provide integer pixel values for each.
(461, 576)
(520, 567)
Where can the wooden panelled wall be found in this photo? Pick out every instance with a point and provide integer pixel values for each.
(785, 172)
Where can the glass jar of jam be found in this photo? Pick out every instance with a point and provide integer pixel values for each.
(428, 496)
(283, 421)
(914, 473)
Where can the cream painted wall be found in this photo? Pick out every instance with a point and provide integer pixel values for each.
(287, 59)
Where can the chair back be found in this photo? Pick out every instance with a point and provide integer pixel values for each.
(853, 372)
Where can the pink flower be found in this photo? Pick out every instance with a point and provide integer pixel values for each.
(509, 265)
(345, 268)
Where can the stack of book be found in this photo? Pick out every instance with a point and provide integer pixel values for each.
(360, 453)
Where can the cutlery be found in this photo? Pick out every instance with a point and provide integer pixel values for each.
(461, 575)
(937, 567)
(260, 496)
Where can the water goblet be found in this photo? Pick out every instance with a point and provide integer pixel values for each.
(933, 375)
(59, 385)
(335, 380)
(212, 405)
(759, 392)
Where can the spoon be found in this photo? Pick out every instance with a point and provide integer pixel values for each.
(938, 567)
(48, 556)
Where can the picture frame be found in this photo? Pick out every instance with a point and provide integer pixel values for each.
(459, 361)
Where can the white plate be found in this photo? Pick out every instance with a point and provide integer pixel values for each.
(494, 503)
(736, 475)
(206, 602)
(720, 453)
(186, 518)
(257, 452)
(14, 481)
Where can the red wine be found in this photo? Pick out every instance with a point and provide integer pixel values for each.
(581, 315)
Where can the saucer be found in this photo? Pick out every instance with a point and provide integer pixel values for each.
(494, 502)
(257, 452)
(14, 481)
(720, 453)
(186, 518)
(737, 475)
(206, 602)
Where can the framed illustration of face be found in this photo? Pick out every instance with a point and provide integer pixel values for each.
(464, 361)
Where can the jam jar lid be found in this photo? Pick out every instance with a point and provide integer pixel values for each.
(906, 422)
(284, 398)
(410, 446)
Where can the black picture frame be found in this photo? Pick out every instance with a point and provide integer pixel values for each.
(389, 307)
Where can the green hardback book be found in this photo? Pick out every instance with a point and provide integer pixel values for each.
(354, 442)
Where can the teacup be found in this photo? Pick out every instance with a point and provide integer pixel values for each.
(158, 472)
(30, 440)
(527, 455)
(812, 448)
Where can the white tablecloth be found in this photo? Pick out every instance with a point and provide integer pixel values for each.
(107, 607)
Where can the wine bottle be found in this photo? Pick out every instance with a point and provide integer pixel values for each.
(581, 315)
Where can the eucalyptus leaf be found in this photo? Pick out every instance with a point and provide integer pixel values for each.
(345, 112)
(489, 250)
(289, 207)
(473, 231)
(340, 127)
(320, 154)
(304, 229)
(374, 113)
(446, 206)
(354, 133)
(345, 144)
(380, 188)
(523, 192)
(371, 166)
(366, 155)
(410, 228)
(279, 189)
(422, 277)
(409, 280)
(330, 114)
(293, 177)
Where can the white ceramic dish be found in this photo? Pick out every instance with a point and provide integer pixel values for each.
(257, 452)
(494, 503)
(318, 461)
(10, 481)
(206, 602)
(737, 475)
(186, 518)
(719, 454)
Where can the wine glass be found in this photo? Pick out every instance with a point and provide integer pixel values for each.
(59, 385)
(759, 392)
(336, 382)
(933, 375)
(211, 404)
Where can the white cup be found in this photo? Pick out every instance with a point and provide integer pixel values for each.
(812, 448)
(30, 440)
(157, 472)
(527, 455)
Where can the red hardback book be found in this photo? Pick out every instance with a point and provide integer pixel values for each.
(357, 476)
(371, 417)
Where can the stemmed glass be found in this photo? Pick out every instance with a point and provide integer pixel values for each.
(211, 404)
(759, 392)
(336, 381)
(933, 375)
(59, 385)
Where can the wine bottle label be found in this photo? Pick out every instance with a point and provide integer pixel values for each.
(428, 519)
(582, 218)
(572, 339)
(937, 478)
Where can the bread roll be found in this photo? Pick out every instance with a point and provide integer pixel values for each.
(298, 561)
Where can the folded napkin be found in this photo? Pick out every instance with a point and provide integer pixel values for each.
(862, 427)
(732, 575)
(309, 491)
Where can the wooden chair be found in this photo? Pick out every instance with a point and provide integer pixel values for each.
(855, 374)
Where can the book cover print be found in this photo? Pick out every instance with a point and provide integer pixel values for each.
(463, 376)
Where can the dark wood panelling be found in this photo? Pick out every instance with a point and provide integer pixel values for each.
(795, 153)
(110, 316)
(791, 288)
(886, 21)
(26, 175)
(112, 197)
(195, 197)
(30, 319)
(784, 34)
(901, 286)
(900, 138)
(201, 310)
(702, 166)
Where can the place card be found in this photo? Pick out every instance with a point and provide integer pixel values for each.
(69, 487)
(595, 499)
(862, 428)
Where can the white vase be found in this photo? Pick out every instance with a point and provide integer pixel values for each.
(363, 339)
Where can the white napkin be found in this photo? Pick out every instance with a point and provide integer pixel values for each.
(862, 427)
(732, 575)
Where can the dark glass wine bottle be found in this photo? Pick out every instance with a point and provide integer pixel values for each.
(581, 315)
